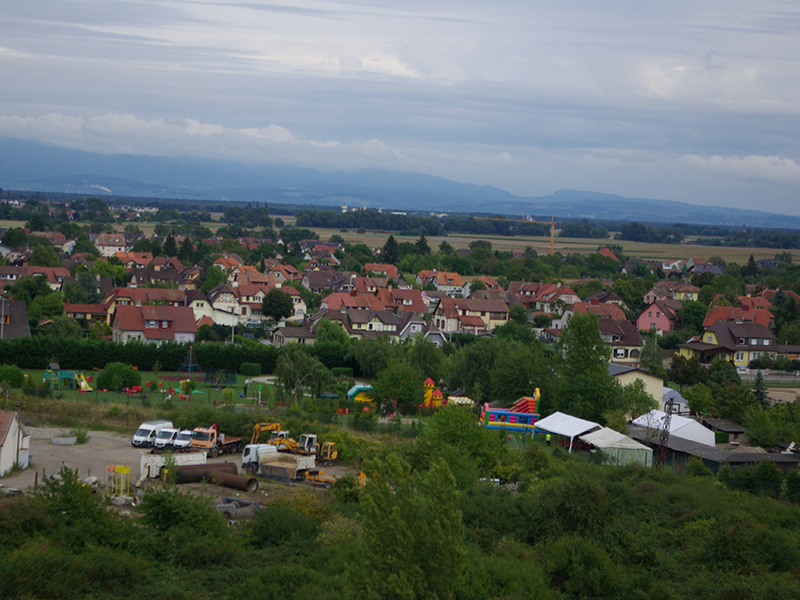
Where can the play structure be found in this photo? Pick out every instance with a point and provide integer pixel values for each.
(215, 378)
(66, 379)
(521, 417)
(360, 393)
(433, 396)
(189, 369)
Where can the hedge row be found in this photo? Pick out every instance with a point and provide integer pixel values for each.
(38, 351)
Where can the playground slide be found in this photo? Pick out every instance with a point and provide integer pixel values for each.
(84, 385)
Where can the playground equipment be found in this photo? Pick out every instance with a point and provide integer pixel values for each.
(521, 417)
(118, 480)
(58, 377)
(433, 397)
(215, 378)
(360, 393)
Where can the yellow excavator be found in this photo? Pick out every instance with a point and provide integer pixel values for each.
(259, 427)
(325, 453)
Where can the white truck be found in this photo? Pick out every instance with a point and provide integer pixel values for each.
(252, 455)
(184, 440)
(145, 436)
(264, 459)
(166, 438)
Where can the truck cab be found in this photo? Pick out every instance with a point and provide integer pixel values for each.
(166, 438)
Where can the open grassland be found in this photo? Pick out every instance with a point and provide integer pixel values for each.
(541, 244)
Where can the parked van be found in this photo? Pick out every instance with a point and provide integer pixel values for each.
(184, 439)
(145, 436)
(166, 437)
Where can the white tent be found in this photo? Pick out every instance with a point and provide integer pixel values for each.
(620, 449)
(680, 427)
(566, 425)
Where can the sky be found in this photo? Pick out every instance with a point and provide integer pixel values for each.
(689, 101)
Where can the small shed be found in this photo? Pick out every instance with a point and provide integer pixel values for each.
(731, 429)
(620, 449)
(566, 425)
(680, 405)
(14, 442)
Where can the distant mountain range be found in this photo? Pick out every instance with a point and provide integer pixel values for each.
(37, 167)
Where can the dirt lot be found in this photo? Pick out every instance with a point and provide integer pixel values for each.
(105, 448)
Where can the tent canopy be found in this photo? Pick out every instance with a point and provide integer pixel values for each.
(619, 449)
(681, 427)
(608, 438)
(566, 425)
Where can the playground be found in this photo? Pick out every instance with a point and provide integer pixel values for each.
(60, 379)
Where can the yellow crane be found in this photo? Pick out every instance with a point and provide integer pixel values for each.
(552, 222)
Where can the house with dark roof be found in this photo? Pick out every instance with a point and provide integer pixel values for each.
(736, 342)
(13, 319)
(293, 335)
(624, 339)
(154, 324)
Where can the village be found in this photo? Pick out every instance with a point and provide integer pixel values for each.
(271, 371)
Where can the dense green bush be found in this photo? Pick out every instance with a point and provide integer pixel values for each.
(342, 371)
(12, 375)
(87, 354)
(250, 369)
(117, 376)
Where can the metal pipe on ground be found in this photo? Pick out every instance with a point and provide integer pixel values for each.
(192, 475)
(237, 482)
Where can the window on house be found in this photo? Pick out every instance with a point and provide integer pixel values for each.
(709, 339)
(164, 324)
(650, 314)
(739, 357)
(6, 319)
(652, 325)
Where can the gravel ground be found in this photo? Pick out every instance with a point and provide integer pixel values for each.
(103, 449)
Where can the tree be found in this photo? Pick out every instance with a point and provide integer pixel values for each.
(635, 401)
(760, 390)
(446, 248)
(751, 268)
(391, 251)
(426, 357)
(214, 277)
(44, 256)
(64, 327)
(476, 285)
(585, 388)
(277, 305)
(414, 532)
(170, 247)
(298, 372)
(74, 293)
(399, 384)
(328, 331)
(117, 375)
(30, 288)
(692, 314)
(186, 251)
(687, 371)
(422, 245)
(513, 376)
(700, 398)
(14, 237)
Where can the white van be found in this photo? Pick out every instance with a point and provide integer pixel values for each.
(166, 437)
(184, 439)
(145, 436)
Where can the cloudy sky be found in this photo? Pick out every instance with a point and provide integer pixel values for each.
(689, 101)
